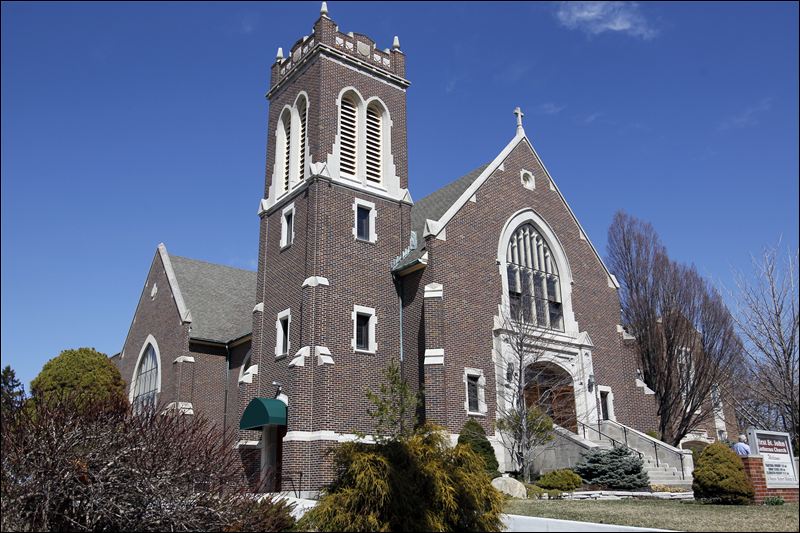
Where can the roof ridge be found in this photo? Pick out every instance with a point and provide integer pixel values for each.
(212, 264)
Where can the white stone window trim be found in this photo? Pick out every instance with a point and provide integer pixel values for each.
(610, 396)
(150, 340)
(287, 233)
(373, 320)
(373, 215)
(482, 409)
(285, 314)
(390, 181)
(571, 327)
(527, 179)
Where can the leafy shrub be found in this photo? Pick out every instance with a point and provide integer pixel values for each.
(653, 433)
(615, 469)
(554, 495)
(473, 435)
(74, 467)
(565, 480)
(773, 500)
(535, 492)
(84, 375)
(719, 477)
(414, 484)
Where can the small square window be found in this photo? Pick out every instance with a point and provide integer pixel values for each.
(472, 393)
(362, 223)
(362, 332)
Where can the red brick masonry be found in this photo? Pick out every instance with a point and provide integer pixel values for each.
(754, 468)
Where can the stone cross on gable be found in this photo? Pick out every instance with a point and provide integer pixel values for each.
(520, 114)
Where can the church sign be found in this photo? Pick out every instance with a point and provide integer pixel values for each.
(776, 450)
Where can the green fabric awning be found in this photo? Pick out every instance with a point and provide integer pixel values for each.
(263, 412)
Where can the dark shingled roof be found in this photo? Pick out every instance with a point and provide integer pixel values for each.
(433, 207)
(220, 298)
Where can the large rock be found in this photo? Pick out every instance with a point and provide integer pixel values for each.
(510, 486)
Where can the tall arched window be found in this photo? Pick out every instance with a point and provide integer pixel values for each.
(534, 290)
(348, 134)
(302, 111)
(374, 142)
(146, 379)
(284, 148)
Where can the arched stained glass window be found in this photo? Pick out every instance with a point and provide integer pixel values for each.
(534, 289)
(146, 381)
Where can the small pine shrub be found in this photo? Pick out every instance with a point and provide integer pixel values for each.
(615, 469)
(535, 492)
(719, 477)
(473, 435)
(565, 480)
(555, 495)
(773, 500)
(653, 433)
(415, 484)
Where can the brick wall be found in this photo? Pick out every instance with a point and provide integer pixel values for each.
(754, 468)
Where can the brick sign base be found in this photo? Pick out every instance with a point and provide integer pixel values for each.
(754, 468)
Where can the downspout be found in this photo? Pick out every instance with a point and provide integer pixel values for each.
(227, 380)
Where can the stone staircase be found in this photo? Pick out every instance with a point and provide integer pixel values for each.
(664, 464)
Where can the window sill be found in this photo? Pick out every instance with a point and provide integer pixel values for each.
(475, 413)
(285, 246)
(367, 241)
(281, 356)
(359, 350)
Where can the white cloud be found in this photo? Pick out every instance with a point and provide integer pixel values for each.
(597, 17)
(748, 116)
(591, 118)
(549, 108)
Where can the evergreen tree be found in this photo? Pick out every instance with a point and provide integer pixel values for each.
(616, 469)
(719, 477)
(84, 374)
(473, 435)
(13, 393)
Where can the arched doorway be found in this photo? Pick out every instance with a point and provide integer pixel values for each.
(550, 387)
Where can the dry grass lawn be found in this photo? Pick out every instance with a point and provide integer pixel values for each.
(664, 514)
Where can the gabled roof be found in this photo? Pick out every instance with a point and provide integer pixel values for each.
(437, 203)
(458, 193)
(433, 207)
(220, 298)
(217, 300)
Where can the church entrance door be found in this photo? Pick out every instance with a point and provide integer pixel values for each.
(550, 388)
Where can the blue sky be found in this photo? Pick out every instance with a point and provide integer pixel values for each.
(125, 125)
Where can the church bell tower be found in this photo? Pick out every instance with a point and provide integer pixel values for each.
(335, 212)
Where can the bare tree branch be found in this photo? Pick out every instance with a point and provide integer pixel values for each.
(767, 319)
(684, 334)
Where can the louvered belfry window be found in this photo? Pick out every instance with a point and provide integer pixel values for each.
(302, 109)
(374, 143)
(534, 290)
(347, 136)
(287, 146)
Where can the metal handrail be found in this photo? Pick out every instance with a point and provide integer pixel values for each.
(656, 444)
(614, 442)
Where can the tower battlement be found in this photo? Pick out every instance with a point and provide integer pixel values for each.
(354, 48)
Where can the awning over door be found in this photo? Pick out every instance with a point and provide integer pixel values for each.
(263, 412)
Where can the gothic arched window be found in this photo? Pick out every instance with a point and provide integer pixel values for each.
(146, 380)
(348, 135)
(534, 289)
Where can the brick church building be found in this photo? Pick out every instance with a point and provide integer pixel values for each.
(353, 273)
